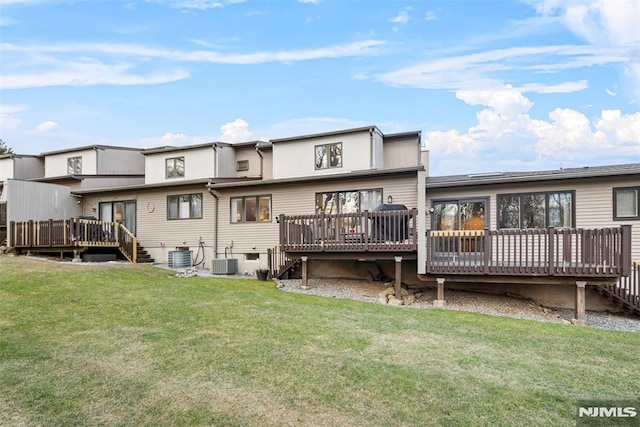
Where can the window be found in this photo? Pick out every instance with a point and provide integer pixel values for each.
(626, 203)
(174, 167)
(328, 156)
(536, 210)
(242, 165)
(459, 214)
(74, 165)
(184, 206)
(348, 201)
(251, 209)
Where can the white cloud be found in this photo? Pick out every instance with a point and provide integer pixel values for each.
(309, 1)
(235, 131)
(8, 120)
(193, 4)
(430, 16)
(84, 72)
(598, 21)
(78, 65)
(401, 18)
(504, 130)
(47, 126)
(602, 23)
(487, 69)
(174, 138)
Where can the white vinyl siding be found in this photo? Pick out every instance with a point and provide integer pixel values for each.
(57, 164)
(198, 163)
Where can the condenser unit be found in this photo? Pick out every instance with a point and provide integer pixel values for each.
(224, 266)
(180, 259)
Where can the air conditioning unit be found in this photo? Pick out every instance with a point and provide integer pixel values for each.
(224, 266)
(180, 259)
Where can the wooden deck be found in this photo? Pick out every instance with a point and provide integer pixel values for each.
(73, 234)
(550, 252)
(353, 233)
(599, 256)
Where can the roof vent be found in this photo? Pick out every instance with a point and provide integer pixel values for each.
(485, 175)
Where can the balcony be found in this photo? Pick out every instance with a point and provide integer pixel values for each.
(571, 252)
(390, 231)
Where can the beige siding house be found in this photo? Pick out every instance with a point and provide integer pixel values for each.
(319, 197)
(589, 197)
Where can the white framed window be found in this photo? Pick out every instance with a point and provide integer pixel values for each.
(74, 165)
(174, 167)
(626, 203)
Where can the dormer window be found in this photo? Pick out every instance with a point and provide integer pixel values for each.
(328, 155)
(174, 167)
(74, 165)
(242, 165)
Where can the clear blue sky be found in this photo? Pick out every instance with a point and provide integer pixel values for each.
(493, 85)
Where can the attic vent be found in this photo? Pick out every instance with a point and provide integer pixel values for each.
(485, 175)
(242, 165)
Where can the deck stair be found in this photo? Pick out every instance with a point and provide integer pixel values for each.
(626, 291)
(279, 263)
(285, 268)
(142, 256)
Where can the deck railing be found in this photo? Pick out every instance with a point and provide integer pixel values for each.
(349, 232)
(604, 252)
(3, 214)
(72, 233)
(627, 290)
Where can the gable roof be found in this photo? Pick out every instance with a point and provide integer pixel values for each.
(546, 175)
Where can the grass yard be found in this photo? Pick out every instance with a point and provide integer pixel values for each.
(133, 345)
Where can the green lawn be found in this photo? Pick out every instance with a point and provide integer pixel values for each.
(133, 345)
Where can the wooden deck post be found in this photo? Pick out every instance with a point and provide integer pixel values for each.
(580, 303)
(439, 302)
(305, 278)
(398, 283)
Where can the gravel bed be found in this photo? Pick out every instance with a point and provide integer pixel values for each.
(497, 305)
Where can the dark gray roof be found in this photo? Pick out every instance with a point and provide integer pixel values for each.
(90, 147)
(19, 156)
(547, 175)
(324, 177)
(171, 148)
(323, 134)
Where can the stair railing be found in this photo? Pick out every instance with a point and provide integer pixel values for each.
(127, 243)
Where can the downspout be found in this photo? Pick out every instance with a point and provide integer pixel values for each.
(423, 173)
(216, 196)
(261, 160)
(216, 160)
(371, 148)
(96, 149)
